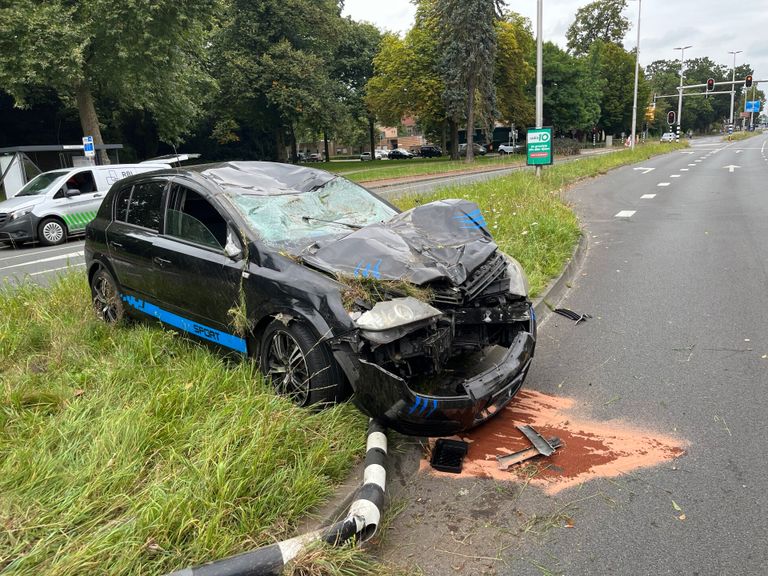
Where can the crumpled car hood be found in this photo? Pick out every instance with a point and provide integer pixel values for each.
(443, 240)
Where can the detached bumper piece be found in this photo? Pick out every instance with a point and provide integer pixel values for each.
(388, 398)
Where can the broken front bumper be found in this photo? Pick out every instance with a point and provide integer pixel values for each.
(387, 397)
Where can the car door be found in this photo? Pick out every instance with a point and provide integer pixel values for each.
(77, 201)
(136, 221)
(195, 278)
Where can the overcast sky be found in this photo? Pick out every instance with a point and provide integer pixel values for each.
(712, 28)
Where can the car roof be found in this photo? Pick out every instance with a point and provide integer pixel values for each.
(256, 178)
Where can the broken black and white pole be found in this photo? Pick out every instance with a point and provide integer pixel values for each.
(361, 522)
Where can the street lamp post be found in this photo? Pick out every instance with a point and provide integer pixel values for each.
(733, 82)
(680, 90)
(637, 74)
(539, 71)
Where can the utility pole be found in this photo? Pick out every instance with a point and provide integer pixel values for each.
(637, 74)
(539, 71)
(751, 112)
(733, 85)
(680, 90)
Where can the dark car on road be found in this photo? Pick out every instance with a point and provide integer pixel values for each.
(400, 154)
(329, 287)
(430, 152)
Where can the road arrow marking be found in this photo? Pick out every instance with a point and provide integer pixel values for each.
(645, 170)
(731, 168)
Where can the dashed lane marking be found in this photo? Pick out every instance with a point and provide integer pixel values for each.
(663, 184)
(626, 214)
(648, 196)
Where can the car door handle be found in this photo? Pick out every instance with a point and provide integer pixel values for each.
(98, 195)
(162, 262)
(115, 244)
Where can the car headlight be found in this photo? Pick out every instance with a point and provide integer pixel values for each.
(19, 213)
(396, 313)
(518, 281)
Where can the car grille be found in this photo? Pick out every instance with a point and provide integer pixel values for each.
(3, 218)
(480, 279)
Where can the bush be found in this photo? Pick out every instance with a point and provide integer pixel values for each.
(566, 147)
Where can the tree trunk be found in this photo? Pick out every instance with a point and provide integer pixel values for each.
(280, 143)
(327, 147)
(444, 136)
(471, 121)
(370, 134)
(454, 127)
(294, 147)
(88, 117)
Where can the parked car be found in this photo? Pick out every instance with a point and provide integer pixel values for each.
(667, 137)
(58, 204)
(315, 157)
(400, 154)
(367, 156)
(477, 148)
(510, 148)
(384, 153)
(325, 284)
(430, 152)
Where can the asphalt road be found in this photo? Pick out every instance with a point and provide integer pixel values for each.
(676, 277)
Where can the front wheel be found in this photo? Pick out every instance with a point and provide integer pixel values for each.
(106, 297)
(298, 365)
(52, 232)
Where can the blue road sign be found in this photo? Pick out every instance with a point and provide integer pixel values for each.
(752, 106)
(88, 146)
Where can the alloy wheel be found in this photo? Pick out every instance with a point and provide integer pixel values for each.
(287, 367)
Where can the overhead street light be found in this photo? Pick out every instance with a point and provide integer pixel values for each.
(680, 93)
(637, 74)
(733, 82)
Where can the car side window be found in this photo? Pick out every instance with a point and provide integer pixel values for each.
(192, 218)
(145, 207)
(122, 198)
(82, 181)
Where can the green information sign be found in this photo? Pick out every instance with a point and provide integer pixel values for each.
(539, 146)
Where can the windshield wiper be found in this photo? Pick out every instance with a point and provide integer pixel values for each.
(353, 226)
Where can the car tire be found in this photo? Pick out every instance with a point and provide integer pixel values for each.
(51, 232)
(298, 365)
(105, 297)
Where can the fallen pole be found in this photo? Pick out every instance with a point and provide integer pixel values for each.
(361, 522)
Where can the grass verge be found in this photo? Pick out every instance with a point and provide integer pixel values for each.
(527, 215)
(129, 450)
(736, 136)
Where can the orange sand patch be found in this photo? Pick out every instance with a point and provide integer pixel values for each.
(591, 449)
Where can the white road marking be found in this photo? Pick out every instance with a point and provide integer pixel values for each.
(42, 260)
(694, 165)
(763, 148)
(42, 253)
(662, 184)
(739, 151)
(731, 168)
(697, 161)
(645, 170)
(648, 196)
(684, 169)
(674, 175)
(626, 214)
(58, 269)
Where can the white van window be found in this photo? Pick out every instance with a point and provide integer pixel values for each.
(41, 183)
(82, 181)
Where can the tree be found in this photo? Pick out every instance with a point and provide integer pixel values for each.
(571, 95)
(468, 60)
(513, 72)
(599, 20)
(139, 55)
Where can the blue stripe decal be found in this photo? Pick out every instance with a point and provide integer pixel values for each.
(471, 220)
(199, 330)
(434, 407)
(415, 405)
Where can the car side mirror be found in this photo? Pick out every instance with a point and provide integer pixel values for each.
(71, 192)
(232, 248)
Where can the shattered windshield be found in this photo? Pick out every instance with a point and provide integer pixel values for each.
(335, 208)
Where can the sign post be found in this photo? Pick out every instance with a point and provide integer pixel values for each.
(539, 146)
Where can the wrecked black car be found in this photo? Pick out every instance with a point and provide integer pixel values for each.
(328, 286)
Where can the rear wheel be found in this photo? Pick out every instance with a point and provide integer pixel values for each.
(106, 297)
(298, 365)
(51, 232)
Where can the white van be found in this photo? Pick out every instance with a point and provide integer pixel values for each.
(59, 203)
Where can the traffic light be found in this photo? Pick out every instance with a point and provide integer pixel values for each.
(710, 84)
(671, 117)
(748, 81)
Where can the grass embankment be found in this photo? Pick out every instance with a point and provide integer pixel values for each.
(128, 450)
(736, 136)
(527, 216)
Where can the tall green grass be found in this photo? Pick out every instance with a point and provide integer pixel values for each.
(129, 450)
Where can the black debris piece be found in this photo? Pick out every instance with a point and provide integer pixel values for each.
(448, 455)
(571, 315)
